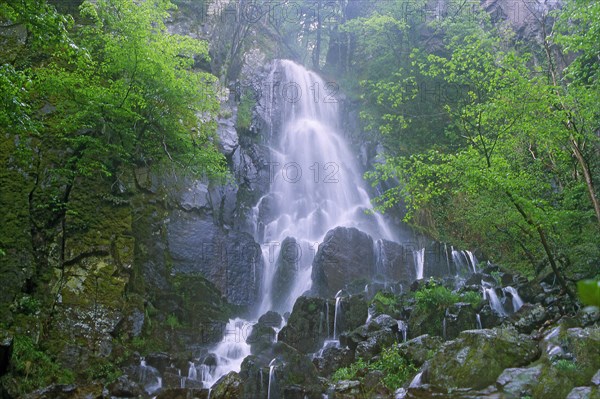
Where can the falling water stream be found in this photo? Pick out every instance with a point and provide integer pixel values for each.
(316, 185)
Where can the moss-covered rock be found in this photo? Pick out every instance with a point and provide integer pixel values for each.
(477, 357)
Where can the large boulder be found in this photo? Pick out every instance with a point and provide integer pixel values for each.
(570, 359)
(518, 382)
(345, 255)
(306, 328)
(286, 271)
(229, 386)
(418, 350)
(477, 357)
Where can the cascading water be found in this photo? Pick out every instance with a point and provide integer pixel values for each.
(517, 302)
(419, 262)
(478, 321)
(316, 184)
(489, 293)
(338, 313)
(271, 377)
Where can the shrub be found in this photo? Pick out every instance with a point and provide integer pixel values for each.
(472, 297)
(350, 372)
(385, 302)
(396, 369)
(434, 297)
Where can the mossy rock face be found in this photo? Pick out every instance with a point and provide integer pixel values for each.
(571, 358)
(306, 328)
(228, 387)
(428, 321)
(16, 266)
(477, 357)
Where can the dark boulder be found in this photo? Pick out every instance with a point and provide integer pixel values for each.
(229, 386)
(306, 328)
(420, 349)
(345, 255)
(286, 271)
(332, 359)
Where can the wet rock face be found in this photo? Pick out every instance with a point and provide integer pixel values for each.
(418, 350)
(345, 255)
(333, 359)
(230, 260)
(306, 328)
(294, 375)
(518, 382)
(228, 387)
(395, 262)
(477, 357)
(286, 270)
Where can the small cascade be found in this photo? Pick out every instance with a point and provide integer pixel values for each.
(205, 376)
(271, 377)
(444, 328)
(369, 315)
(149, 377)
(516, 299)
(337, 314)
(416, 382)
(192, 372)
(403, 328)
(447, 258)
(489, 293)
(478, 321)
(232, 350)
(419, 262)
(209, 392)
(472, 260)
(327, 317)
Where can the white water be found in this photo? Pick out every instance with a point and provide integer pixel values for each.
(516, 299)
(271, 377)
(416, 382)
(419, 262)
(403, 328)
(338, 311)
(489, 293)
(149, 377)
(478, 321)
(316, 183)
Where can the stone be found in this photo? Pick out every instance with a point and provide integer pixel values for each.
(228, 137)
(395, 262)
(124, 387)
(345, 255)
(230, 260)
(477, 357)
(195, 197)
(286, 271)
(420, 349)
(518, 382)
(271, 319)
(580, 393)
(332, 359)
(183, 393)
(375, 343)
(306, 327)
(459, 317)
(530, 317)
(228, 387)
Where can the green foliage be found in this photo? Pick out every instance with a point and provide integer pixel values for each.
(173, 322)
(27, 305)
(396, 369)
(472, 297)
(589, 292)
(350, 372)
(244, 114)
(103, 370)
(32, 368)
(385, 303)
(434, 297)
(565, 366)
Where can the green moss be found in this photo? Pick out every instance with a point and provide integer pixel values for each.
(244, 114)
(385, 303)
(32, 368)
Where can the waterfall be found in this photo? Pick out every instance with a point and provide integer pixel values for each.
(489, 293)
(149, 377)
(478, 321)
(271, 377)
(416, 382)
(327, 317)
(516, 299)
(403, 327)
(315, 180)
(338, 311)
(232, 350)
(192, 372)
(473, 260)
(419, 262)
